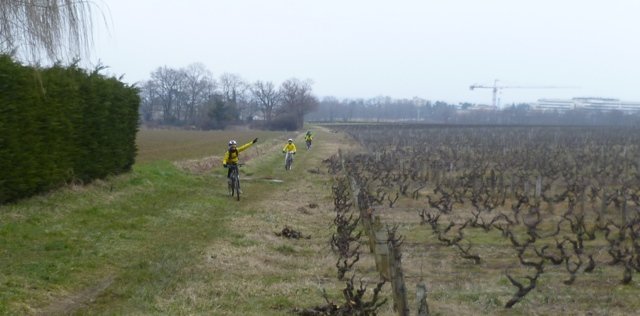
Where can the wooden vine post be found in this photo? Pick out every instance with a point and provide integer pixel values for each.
(383, 244)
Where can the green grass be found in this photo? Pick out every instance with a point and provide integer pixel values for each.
(139, 227)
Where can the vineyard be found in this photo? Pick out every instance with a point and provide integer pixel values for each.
(543, 219)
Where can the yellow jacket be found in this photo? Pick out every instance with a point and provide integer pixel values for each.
(289, 147)
(308, 137)
(231, 157)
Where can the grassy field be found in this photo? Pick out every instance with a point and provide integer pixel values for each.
(175, 145)
(166, 239)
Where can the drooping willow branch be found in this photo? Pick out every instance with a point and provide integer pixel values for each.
(46, 28)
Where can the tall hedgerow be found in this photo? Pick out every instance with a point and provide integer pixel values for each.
(62, 124)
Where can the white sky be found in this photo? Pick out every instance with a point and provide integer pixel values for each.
(433, 49)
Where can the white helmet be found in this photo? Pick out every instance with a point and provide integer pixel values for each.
(232, 142)
(290, 140)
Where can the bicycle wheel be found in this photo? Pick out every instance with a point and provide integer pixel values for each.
(233, 178)
(237, 187)
(287, 164)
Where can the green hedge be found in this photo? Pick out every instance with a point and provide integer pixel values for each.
(62, 124)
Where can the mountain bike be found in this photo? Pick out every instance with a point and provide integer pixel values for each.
(234, 181)
(308, 142)
(288, 160)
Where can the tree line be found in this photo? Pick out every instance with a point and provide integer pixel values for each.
(192, 97)
(387, 109)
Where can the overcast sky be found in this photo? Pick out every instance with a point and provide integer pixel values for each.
(432, 49)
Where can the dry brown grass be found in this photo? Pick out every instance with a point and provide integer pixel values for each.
(177, 145)
(459, 287)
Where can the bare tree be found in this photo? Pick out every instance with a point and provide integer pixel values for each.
(297, 99)
(168, 85)
(332, 104)
(266, 97)
(233, 90)
(230, 86)
(48, 28)
(329, 109)
(199, 84)
(149, 102)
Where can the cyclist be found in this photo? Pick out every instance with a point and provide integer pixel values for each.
(231, 155)
(289, 147)
(308, 138)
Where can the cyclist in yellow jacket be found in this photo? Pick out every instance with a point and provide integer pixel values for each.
(308, 138)
(289, 147)
(231, 157)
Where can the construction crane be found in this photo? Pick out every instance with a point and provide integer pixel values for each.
(496, 88)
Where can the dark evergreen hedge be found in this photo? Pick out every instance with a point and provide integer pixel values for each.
(62, 124)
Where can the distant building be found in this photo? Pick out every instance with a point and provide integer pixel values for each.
(476, 107)
(591, 104)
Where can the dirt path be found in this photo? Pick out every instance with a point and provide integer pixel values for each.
(79, 300)
(268, 265)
